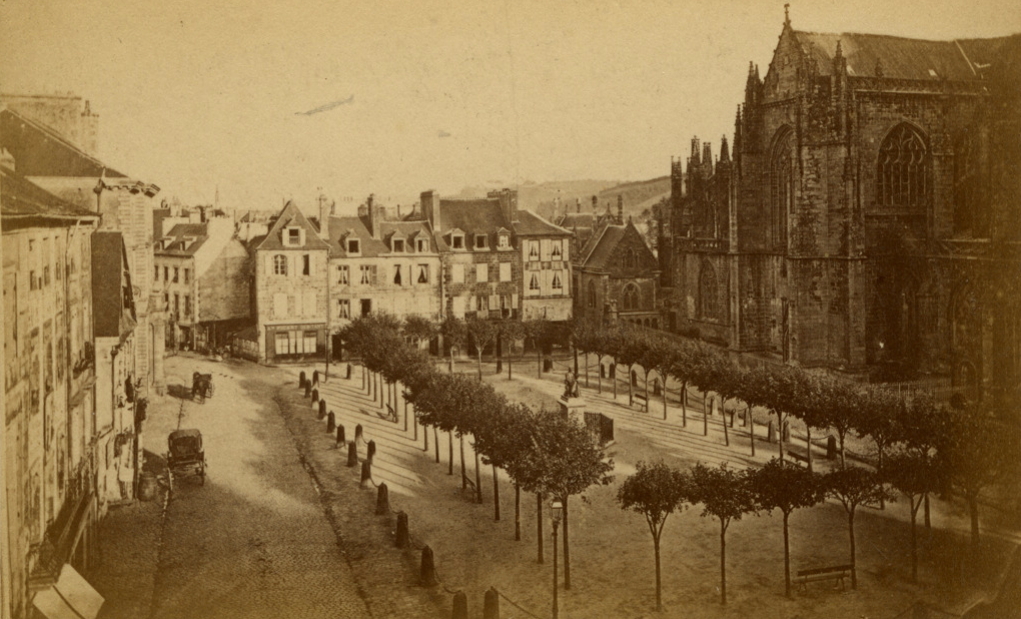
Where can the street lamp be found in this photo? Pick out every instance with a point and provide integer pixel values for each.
(556, 513)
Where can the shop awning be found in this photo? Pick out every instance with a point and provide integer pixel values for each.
(72, 597)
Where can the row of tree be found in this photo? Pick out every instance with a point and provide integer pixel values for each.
(543, 452)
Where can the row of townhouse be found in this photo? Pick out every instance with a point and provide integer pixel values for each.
(480, 258)
(80, 352)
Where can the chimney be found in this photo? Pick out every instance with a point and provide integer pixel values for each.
(620, 209)
(324, 217)
(577, 205)
(595, 205)
(508, 203)
(431, 208)
(398, 212)
(374, 215)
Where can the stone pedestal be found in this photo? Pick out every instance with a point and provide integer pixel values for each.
(572, 407)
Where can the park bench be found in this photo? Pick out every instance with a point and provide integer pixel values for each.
(797, 456)
(391, 414)
(643, 401)
(836, 572)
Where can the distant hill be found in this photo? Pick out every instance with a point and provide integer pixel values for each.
(543, 198)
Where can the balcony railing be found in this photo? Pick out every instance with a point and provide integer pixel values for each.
(54, 550)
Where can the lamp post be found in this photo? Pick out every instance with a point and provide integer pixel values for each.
(556, 512)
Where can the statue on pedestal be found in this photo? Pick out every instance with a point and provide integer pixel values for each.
(570, 386)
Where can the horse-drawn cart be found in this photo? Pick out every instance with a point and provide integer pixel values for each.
(186, 455)
(201, 386)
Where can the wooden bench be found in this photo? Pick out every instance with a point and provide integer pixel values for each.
(797, 456)
(643, 401)
(836, 572)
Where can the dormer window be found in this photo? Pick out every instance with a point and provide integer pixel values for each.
(481, 241)
(294, 237)
(457, 241)
(503, 241)
(398, 246)
(421, 245)
(354, 247)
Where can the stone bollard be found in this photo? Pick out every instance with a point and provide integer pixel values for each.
(358, 432)
(348, 375)
(786, 431)
(771, 432)
(403, 536)
(831, 448)
(315, 378)
(322, 409)
(371, 450)
(352, 454)
(301, 379)
(382, 500)
(308, 389)
(427, 573)
(366, 473)
(491, 607)
(460, 606)
(331, 422)
(315, 396)
(341, 435)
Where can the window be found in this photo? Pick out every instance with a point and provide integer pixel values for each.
(457, 241)
(166, 300)
(505, 271)
(166, 274)
(282, 342)
(480, 241)
(397, 275)
(177, 305)
(481, 272)
(187, 275)
(592, 294)
(533, 251)
(294, 237)
(46, 275)
(366, 307)
(781, 171)
(366, 274)
(457, 273)
(177, 273)
(503, 242)
(557, 284)
(343, 274)
(280, 264)
(421, 245)
(533, 284)
(423, 273)
(632, 299)
(398, 246)
(481, 303)
(557, 252)
(157, 276)
(187, 306)
(33, 284)
(969, 214)
(343, 308)
(306, 264)
(630, 259)
(354, 247)
(310, 342)
(708, 293)
(901, 179)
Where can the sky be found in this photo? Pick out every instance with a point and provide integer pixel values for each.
(204, 97)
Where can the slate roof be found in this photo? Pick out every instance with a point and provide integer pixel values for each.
(901, 57)
(291, 214)
(41, 151)
(342, 227)
(530, 224)
(180, 245)
(577, 220)
(597, 252)
(19, 197)
(109, 264)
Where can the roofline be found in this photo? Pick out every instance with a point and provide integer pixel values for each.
(58, 137)
(93, 218)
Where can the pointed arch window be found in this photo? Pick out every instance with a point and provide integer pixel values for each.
(708, 294)
(781, 172)
(592, 294)
(969, 216)
(632, 298)
(903, 169)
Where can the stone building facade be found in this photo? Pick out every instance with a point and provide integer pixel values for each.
(869, 220)
(50, 459)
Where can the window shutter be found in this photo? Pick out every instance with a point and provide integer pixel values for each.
(373, 270)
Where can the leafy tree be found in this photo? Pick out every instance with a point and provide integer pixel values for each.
(854, 486)
(841, 407)
(503, 437)
(655, 491)
(586, 339)
(419, 329)
(662, 360)
(787, 487)
(628, 349)
(924, 429)
(482, 334)
(510, 330)
(544, 336)
(915, 476)
(454, 333)
(880, 419)
(726, 495)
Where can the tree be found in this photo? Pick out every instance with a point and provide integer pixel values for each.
(586, 339)
(544, 336)
(419, 329)
(924, 429)
(854, 486)
(629, 346)
(787, 487)
(482, 334)
(841, 409)
(655, 491)
(726, 495)
(453, 331)
(879, 419)
(915, 476)
(509, 330)
(504, 436)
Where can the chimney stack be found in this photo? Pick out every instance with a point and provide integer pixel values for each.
(431, 209)
(577, 205)
(620, 209)
(324, 218)
(595, 205)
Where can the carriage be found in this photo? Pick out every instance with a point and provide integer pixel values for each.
(201, 386)
(186, 455)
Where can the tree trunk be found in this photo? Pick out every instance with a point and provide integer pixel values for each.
(575, 349)
(480, 364)
(509, 377)
(854, 568)
(928, 522)
(684, 404)
(613, 377)
(586, 370)
(723, 411)
(499, 353)
(808, 444)
(705, 414)
(659, 581)
(914, 539)
(751, 428)
(450, 454)
(464, 477)
(538, 356)
(646, 390)
(496, 495)
(450, 367)
(664, 398)
(973, 511)
(630, 388)
(779, 429)
(567, 551)
(478, 478)
(538, 523)
(517, 512)
(599, 374)
(843, 459)
(436, 440)
(786, 557)
(723, 563)
(879, 467)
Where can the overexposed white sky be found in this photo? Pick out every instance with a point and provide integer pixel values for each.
(194, 95)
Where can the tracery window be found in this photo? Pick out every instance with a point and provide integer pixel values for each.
(903, 169)
(591, 294)
(781, 172)
(968, 212)
(708, 293)
(632, 298)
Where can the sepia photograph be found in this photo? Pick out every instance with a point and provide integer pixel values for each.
(460, 309)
